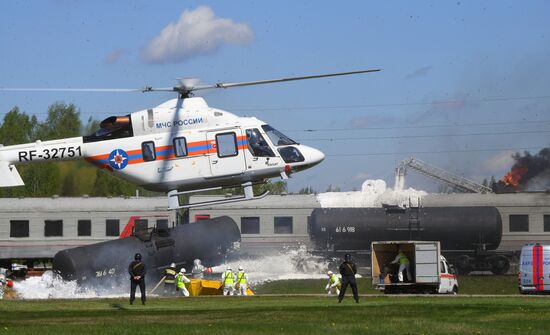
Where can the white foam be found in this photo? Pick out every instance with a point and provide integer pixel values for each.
(51, 286)
(373, 193)
(288, 264)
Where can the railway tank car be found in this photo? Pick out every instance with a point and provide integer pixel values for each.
(102, 264)
(467, 234)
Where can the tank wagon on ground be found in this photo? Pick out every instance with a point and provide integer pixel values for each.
(103, 264)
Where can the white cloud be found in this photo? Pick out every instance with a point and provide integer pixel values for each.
(197, 32)
(115, 55)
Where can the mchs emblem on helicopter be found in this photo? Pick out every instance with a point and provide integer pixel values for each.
(181, 146)
(118, 159)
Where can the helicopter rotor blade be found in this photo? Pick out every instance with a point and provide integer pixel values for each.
(71, 89)
(270, 81)
(186, 85)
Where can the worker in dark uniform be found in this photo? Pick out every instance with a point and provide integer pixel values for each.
(137, 272)
(170, 280)
(348, 271)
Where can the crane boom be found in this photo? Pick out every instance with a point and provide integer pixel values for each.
(437, 173)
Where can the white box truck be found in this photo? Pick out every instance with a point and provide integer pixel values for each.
(429, 271)
(534, 269)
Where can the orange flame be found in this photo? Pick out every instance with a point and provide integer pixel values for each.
(513, 178)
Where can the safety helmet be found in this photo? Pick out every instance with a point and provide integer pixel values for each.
(172, 265)
(182, 270)
(241, 268)
(137, 256)
(347, 257)
(329, 273)
(229, 268)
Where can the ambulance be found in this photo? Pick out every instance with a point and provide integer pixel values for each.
(534, 269)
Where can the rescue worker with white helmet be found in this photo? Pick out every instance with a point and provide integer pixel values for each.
(404, 264)
(228, 281)
(170, 279)
(181, 280)
(333, 285)
(242, 281)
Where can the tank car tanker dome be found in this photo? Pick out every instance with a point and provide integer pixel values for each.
(457, 228)
(95, 264)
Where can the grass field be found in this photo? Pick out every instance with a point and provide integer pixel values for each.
(375, 314)
(468, 285)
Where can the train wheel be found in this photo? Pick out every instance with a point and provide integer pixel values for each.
(500, 265)
(463, 265)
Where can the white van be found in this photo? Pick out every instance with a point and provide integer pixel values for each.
(534, 269)
(430, 271)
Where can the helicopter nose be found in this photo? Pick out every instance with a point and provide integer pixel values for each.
(312, 156)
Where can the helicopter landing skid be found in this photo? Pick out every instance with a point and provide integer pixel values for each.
(173, 199)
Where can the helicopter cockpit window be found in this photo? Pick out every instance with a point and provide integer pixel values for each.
(180, 147)
(226, 144)
(276, 136)
(257, 144)
(291, 155)
(148, 151)
(111, 128)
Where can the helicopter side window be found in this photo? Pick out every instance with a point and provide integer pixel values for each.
(226, 144)
(148, 151)
(276, 136)
(257, 144)
(180, 147)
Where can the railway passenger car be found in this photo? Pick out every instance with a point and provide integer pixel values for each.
(35, 229)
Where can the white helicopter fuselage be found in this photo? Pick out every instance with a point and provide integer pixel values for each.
(180, 145)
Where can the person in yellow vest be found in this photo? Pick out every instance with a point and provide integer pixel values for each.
(333, 285)
(404, 264)
(181, 280)
(242, 281)
(228, 282)
(170, 280)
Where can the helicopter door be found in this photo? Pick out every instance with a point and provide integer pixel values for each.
(224, 154)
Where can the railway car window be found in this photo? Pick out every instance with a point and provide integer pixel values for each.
(443, 269)
(283, 225)
(19, 228)
(519, 223)
(112, 227)
(547, 223)
(84, 228)
(148, 151)
(226, 144)
(141, 225)
(162, 224)
(53, 228)
(250, 225)
(180, 147)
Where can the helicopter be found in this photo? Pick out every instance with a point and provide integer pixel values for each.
(181, 146)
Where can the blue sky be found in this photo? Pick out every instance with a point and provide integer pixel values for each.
(464, 83)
